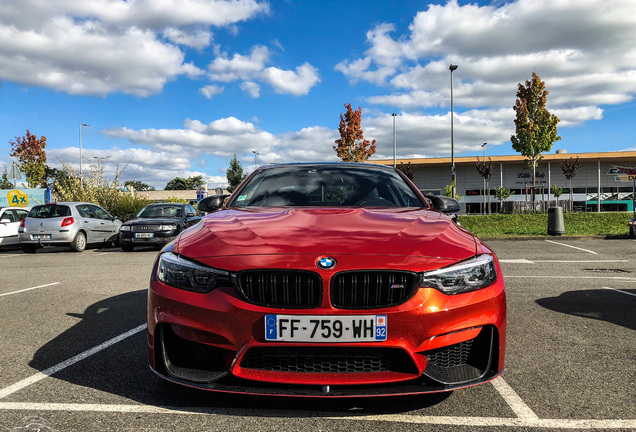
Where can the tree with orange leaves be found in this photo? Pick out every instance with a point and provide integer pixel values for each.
(352, 147)
(29, 150)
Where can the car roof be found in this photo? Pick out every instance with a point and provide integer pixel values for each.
(361, 165)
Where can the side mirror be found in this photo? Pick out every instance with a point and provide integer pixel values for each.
(212, 203)
(443, 203)
(190, 214)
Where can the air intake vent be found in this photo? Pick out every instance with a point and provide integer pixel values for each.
(371, 289)
(280, 288)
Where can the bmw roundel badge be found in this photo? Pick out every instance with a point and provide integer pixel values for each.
(326, 263)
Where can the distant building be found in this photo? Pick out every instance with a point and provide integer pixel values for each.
(597, 175)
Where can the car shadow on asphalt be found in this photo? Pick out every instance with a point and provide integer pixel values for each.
(122, 370)
(599, 304)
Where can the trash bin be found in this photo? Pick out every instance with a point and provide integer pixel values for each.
(555, 221)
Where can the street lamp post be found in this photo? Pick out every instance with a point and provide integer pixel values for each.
(255, 164)
(80, 147)
(483, 161)
(452, 68)
(394, 142)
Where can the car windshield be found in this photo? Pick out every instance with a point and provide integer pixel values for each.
(49, 211)
(160, 211)
(326, 186)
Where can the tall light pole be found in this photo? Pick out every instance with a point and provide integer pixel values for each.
(80, 146)
(255, 164)
(483, 161)
(394, 142)
(452, 68)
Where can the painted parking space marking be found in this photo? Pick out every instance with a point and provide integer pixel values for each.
(525, 416)
(550, 424)
(29, 289)
(66, 363)
(614, 278)
(573, 247)
(620, 291)
(527, 261)
(513, 400)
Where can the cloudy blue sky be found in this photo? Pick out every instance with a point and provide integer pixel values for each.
(176, 87)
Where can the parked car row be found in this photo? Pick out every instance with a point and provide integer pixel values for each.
(80, 224)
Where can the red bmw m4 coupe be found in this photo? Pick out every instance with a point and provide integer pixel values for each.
(327, 280)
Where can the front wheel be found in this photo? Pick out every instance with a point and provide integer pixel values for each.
(79, 243)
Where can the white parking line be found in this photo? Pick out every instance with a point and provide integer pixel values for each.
(615, 278)
(520, 408)
(29, 289)
(527, 261)
(549, 424)
(620, 291)
(573, 247)
(61, 366)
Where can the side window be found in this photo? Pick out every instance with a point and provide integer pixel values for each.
(100, 213)
(84, 210)
(190, 209)
(21, 214)
(9, 215)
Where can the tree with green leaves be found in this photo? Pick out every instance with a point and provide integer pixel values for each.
(5, 183)
(448, 191)
(535, 126)
(557, 191)
(234, 175)
(502, 194)
(179, 183)
(352, 147)
(29, 150)
(138, 185)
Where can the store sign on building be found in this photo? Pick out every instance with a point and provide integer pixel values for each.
(527, 176)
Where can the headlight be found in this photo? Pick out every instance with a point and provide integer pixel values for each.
(470, 275)
(124, 228)
(167, 227)
(188, 275)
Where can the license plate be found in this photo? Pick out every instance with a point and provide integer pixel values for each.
(320, 328)
(41, 236)
(144, 235)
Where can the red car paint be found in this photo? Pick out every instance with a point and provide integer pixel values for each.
(222, 326)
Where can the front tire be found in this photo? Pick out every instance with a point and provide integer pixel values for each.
(79, 243)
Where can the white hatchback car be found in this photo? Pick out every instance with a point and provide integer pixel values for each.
(75, 224)
(10, 218)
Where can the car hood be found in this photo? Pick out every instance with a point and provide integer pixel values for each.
(153, 221)
(341, 231)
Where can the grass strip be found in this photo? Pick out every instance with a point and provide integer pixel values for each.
(531, 225)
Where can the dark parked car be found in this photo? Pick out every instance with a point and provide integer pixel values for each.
(327, 280)
(156, 225)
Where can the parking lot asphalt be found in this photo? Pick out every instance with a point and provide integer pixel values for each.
(73, 353)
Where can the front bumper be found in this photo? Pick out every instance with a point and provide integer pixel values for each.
(158, 238)
(435, 343)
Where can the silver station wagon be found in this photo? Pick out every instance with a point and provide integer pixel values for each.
(75, 224)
